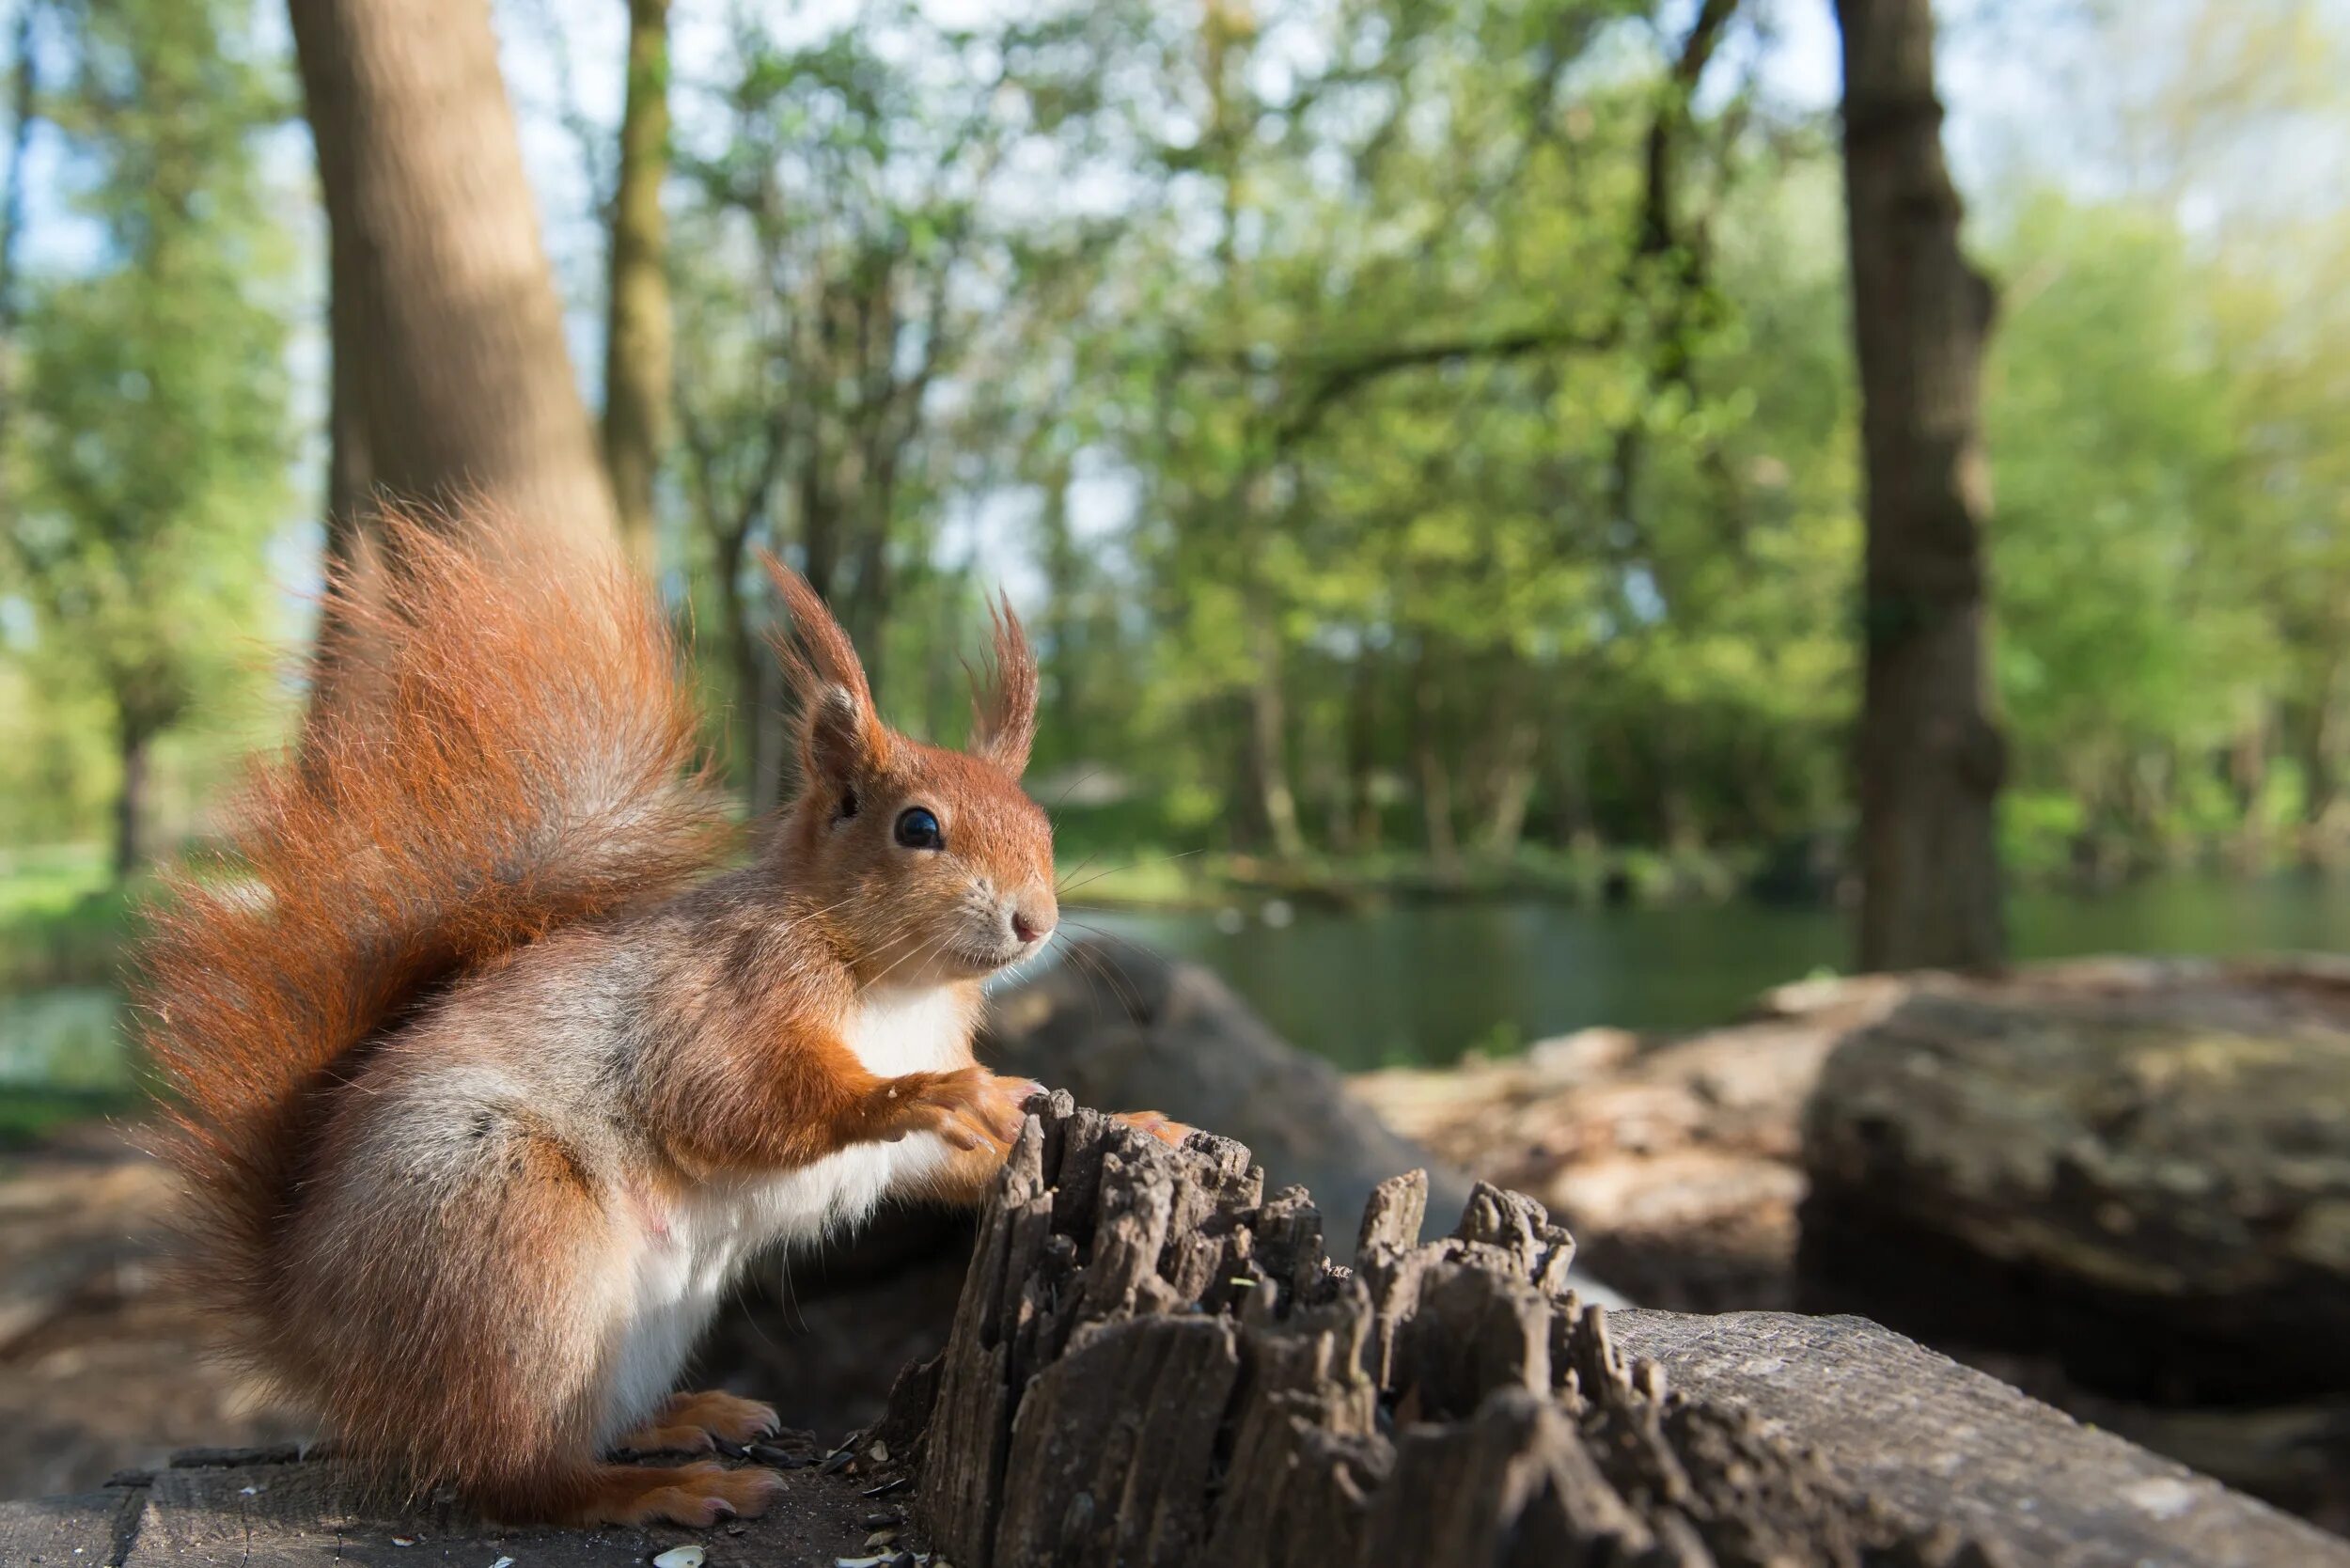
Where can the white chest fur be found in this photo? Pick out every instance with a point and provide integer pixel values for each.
(683, 1270)
(912, 1030)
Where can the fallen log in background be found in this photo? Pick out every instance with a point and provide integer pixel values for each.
(2121, 1184)
(2150, 1180)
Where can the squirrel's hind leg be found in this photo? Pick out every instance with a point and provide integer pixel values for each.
(466, 1271)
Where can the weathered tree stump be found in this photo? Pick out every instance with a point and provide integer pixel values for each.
(2152, 1183)
(1155, 1364)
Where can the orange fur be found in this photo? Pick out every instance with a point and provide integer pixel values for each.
(466, 1055)
(428, 832)
(1003, 710)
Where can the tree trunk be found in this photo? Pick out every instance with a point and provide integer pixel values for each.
(2321, 778)
(350, 483)
(130, 847)
(24, 89)
(1436, 780)
(1512, 789)
(1930, 758)
(637, 350)
(1268, 740)
(446, 329)
(1065, 657)
(1358, 806)
(875, 592)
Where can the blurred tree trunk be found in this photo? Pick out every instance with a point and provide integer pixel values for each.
(2316, 744)
(637, 336)
(1227, 29)
(1268, 737)
(1511, 790)
(452, 378)
(136, 743)
(24, 88)
(1930, 758)
(1436, 775)
(1356, 826)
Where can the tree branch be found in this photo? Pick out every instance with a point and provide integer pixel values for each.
(1672, 117)
(1332, 380)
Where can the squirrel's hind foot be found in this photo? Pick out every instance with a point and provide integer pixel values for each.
(696, 1496)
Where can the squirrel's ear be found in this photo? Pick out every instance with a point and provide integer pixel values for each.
(840, 735)
(839, 741)
(1003, 712)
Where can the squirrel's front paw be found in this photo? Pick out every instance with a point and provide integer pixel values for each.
(970, 1107)
(1155, 1124)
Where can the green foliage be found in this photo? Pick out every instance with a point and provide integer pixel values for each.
(153, 429)
(1399, 483)
(2116, 436)
(1416, 488)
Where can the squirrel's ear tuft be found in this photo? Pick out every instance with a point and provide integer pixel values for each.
(1003, 712)
(840, 735)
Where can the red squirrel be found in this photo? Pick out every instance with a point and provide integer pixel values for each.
(482, 1088)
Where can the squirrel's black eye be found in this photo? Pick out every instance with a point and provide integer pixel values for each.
(848, 804)
(919, 829)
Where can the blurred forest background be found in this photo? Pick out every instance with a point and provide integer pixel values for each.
(1424, 435)
(1534, 513)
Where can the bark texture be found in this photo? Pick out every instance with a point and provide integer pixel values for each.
(452, 380)
(1930, 758)
(637, 331)
(1154, 1363)
(2153, 1187)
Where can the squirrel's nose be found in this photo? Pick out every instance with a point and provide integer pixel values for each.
(1031, 925)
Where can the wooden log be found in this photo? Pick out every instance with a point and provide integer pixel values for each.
(1446, 1403)
(2151, 1180)
(1933, 1440)
(81, 1531)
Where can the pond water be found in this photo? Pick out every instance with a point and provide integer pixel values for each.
(1429, 983)
(1426, 984)
(66, 1038)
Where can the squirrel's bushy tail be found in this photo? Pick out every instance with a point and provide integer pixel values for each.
(517, 752)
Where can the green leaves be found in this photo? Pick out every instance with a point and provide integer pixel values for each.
(154, 427)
